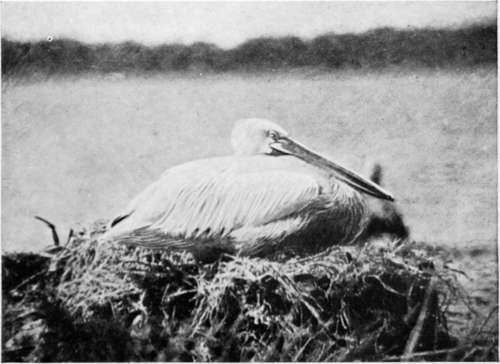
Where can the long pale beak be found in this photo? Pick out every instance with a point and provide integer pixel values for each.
(289, 146)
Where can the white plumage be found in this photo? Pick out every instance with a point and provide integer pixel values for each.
(267, 198)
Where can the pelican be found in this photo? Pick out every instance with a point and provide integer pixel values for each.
(273, 195)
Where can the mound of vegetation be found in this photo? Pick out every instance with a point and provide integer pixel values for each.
(379, 48)
(91, 301)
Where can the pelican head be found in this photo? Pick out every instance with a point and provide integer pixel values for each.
(255, 136)
(260, 136)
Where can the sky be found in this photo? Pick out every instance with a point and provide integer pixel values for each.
(225, 23)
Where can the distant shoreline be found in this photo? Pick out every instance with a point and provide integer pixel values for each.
(375, 50)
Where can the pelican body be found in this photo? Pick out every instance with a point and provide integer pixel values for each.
(273, 196)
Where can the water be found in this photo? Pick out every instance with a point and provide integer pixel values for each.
(76, 150)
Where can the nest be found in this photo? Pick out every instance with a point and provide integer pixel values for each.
(96, 301)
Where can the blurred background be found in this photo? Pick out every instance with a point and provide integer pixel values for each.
(98, 99)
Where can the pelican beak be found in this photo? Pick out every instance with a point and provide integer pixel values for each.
(286, 145)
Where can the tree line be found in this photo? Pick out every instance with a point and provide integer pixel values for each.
(384, 47)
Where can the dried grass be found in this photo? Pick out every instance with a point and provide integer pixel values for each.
(101, 302)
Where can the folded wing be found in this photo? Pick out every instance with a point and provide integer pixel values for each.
(194, 204)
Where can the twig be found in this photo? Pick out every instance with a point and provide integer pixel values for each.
(384, 285)
(27, 280)
(457, 271)
(403, 265)
(469, 353)
(52, 227)
(492, 311)
(299, 353)
(405, 357)
(412, 342)
(70, 235)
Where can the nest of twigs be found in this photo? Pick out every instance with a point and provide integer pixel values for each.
(94, 301)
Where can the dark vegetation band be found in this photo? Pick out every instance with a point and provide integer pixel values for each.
(384, 47)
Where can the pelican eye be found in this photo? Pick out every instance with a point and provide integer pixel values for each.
(273, 135)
